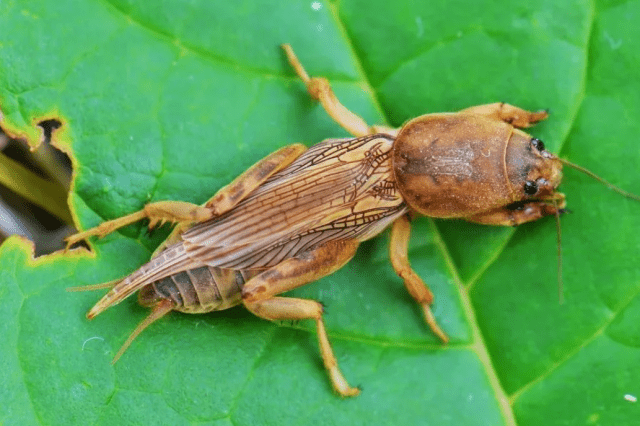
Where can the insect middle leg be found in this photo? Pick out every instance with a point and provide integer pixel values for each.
(319, 88)
(398, 248)
(258, 297)
(185, 213)
(513, 115)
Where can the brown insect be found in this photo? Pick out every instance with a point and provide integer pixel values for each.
(300, 214)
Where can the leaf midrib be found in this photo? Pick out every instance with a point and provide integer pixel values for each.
(478, 345)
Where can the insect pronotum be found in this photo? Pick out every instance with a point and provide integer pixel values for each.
(299, 214)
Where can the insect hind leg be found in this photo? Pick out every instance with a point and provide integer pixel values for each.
(158, 212)
(289, 308)
(258, 297)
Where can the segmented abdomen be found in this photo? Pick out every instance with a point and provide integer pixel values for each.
(203, 289)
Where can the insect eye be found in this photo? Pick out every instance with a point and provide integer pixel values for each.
(537, 144)
(530, 187)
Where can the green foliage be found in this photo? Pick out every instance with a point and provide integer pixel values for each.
(171, 101)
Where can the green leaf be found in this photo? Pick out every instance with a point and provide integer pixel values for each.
(171, 101)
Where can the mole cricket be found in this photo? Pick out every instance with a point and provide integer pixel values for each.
(299, 214)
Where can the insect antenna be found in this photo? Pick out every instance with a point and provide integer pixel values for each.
(559, 238)
(599, 179)
(559, 211)
(161, 309)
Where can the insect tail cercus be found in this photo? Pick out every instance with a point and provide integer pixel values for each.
(299, 214)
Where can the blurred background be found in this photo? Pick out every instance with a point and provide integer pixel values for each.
(33, 191)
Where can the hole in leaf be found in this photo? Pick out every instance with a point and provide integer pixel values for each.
(34, 188)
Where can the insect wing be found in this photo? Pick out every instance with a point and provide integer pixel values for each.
(338, 189)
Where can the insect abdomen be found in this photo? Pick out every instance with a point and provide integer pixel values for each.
(198, 290)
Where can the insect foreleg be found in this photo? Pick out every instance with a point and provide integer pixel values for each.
(398, 252)
(501, 111)
(527, 212)
(258, 296)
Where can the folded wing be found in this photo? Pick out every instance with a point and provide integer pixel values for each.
(338, 189)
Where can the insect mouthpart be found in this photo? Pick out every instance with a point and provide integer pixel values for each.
(548, 205)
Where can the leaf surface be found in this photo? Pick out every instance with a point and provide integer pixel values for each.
(171, 101)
